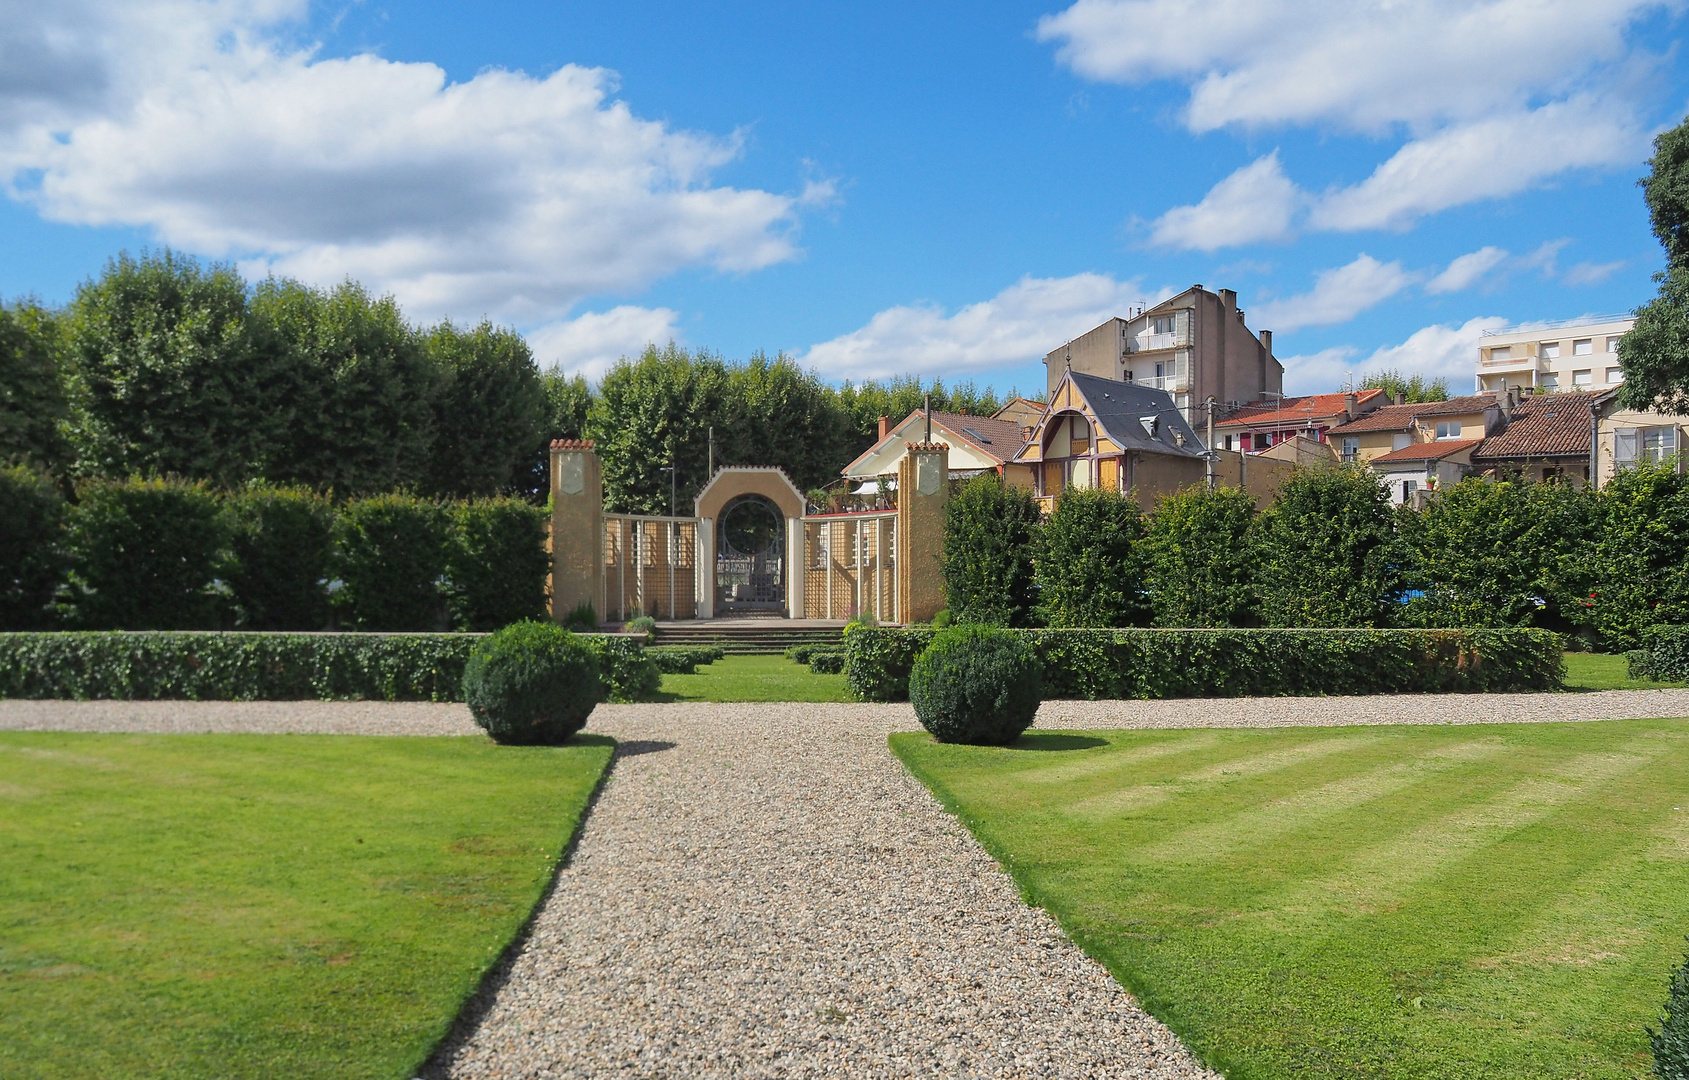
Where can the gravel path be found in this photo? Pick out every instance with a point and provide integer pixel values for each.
(762, 891)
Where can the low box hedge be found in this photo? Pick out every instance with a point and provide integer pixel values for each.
(209, 666)
(1240, 663)
(1665, 655)
(683, 659)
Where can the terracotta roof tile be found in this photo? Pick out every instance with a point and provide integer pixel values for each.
(1299, 410)
(1401, 417)
(1426, 451)
(1543, 425)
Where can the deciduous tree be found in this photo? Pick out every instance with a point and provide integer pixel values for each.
(1200, 567)
(1089, 564)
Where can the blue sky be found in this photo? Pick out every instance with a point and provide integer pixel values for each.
(945, 189)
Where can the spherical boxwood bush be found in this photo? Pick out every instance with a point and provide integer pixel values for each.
(532, 683)
(977, 684)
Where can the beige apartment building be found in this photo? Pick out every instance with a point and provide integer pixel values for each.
(1580, 356)
(1193, 346)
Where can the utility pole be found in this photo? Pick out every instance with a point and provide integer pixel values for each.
(928, 409)
(674, 528)
(1212, 454)
(711, 473)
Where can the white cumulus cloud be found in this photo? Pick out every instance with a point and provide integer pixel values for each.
(1257, 202)
(1440, 351)
(1018, 325)
(1467, 270)
(508, 193)
(1338, 295)
(588, 344)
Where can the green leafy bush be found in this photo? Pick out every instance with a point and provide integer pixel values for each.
(1140, 663)
(1639, 664)
(1634, 574)
(1089, 568)
(581, 617)
(1325, 552)
(989, 530)
(942, 618)
(1666, 653)
(146, 555)
(31, 547)
(1199, 562)
(496, 563)
(801, 653)
(644, 624)
(532, 683)
(683, 659)
(1671, 1042)
(628, 674)
(283, 543)
(827, 661)
(978, 685)
(390, 557)
(234, 666)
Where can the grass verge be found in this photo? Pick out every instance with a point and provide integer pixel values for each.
(754, 678)
(1601, 671)
(1409, 902)
(263, 905)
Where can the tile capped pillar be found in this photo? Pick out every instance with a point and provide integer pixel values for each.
(577, 528)
(923, 489)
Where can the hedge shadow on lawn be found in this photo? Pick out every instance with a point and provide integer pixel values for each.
(479, 1002)
(1055, 741)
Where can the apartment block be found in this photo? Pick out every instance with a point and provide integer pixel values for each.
(1193, 346)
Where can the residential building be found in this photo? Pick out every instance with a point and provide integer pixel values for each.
(977, 444)
(1128, 437)
(1022, 412)
(1581, 355)
(1547, 437)
(1194, 346)
(1394, 427)
(1255, 428)
(1423, 466)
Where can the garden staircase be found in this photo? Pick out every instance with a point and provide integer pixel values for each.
(748, 637)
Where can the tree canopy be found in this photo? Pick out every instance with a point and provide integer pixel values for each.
(1654, 355)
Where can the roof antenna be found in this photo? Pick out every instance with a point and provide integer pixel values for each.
(929, 416)
(1068, 362)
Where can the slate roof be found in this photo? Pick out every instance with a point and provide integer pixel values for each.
(1298, 410)
(1425, 451)
(1401, 417)
(1119, 407)
(1543, 425)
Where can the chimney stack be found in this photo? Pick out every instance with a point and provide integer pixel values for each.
(885, 426)
(1351, 404)
(1267, 341)
(1228, 300)
(1398, 398)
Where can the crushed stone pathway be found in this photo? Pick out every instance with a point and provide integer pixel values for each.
(761, 890)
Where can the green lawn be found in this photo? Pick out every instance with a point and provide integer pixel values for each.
(754, 678)
(1599, 671)
(1402, 902)
(263, 905)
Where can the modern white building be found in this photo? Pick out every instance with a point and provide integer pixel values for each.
(1576, 354)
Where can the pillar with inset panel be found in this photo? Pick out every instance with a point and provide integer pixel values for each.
(577, 528)
(923, 489)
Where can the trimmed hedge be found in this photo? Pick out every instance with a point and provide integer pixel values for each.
(976, 684)
(532, 683)
(683, 659)
(202, 666)
(1135, 663)
(1664, 655)
(827, 661)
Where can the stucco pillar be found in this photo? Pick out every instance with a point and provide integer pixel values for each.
(794, 568)
(705, 577)
(923, 489)
(577, 528)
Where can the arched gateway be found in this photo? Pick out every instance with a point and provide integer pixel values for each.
(751, 548)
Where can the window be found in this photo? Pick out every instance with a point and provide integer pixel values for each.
(1504, 352)
(1400, 440)
(1550, 350)
(1580, 378)
(1448, 429)
(1351, 447)
(1263, 441)
(1548, 380)
(1658, 443)
(1583, 347)
(1615, 375)
(1408, 488)
(1161, 324)
(1612, 344)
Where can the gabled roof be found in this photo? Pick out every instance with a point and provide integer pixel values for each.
(1425, 451)
(1402, 417)
(1544, 425)
(1037, 406)
(1298, 410)
(1119, 409)
(996, 439)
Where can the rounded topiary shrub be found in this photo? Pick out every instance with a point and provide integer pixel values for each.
(977, 684)
(532, 683)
